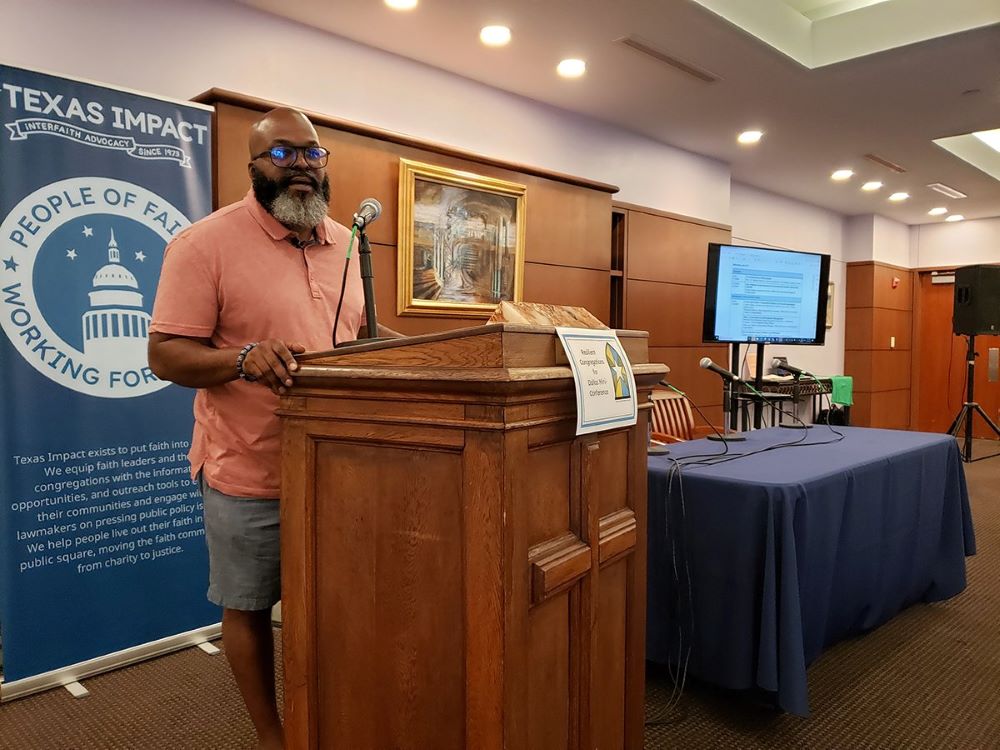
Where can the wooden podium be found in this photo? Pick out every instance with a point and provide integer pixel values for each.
(459, 570)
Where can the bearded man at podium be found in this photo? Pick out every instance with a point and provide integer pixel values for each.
(241, 292)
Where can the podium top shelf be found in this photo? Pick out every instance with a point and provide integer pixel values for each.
(496, 351)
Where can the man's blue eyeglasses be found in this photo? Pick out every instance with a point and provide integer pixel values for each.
(286, 156)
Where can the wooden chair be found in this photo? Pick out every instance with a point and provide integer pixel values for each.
(672, 419)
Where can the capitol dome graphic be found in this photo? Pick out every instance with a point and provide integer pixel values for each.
(116, 328)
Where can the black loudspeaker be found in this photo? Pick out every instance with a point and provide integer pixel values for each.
(977, 300)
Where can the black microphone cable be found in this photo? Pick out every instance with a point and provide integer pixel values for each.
(343, 284)
(829, 406)
(725, 443)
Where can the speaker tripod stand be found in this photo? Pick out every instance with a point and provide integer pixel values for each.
(971, 408)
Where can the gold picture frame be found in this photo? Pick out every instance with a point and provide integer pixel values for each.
(461, 241)
(829, 305)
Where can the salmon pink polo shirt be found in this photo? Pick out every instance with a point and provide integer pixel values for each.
(235, 278)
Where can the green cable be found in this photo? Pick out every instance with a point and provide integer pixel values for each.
(675, 390)
(350, 245)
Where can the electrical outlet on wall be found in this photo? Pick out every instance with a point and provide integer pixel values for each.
(892, 342)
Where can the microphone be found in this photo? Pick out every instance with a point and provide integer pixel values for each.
(797, 371)
(708, 364)
(725, 436)
(369, 210)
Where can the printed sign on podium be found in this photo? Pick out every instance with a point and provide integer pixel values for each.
(605, 385)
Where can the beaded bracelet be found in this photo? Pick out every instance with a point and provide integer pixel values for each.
(240, 358)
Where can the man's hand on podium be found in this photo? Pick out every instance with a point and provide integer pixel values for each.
(272, 363)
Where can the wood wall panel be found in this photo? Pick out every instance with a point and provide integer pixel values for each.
(712, 413)
(891, 371)
(876, 312)
(567, 224)
(562, 285)
(859, 285)
(665, 260)
(861, 411)
(878, 370)
(701, 385)
(858, 328)
(900, 298)
(887, 324)
(232, 132)
(869, 284)
(891, 409)
(671, 250)
(873, 327)
(858, 364)
(672, 313)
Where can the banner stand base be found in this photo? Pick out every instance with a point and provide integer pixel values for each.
(117, 660)
(76, 690)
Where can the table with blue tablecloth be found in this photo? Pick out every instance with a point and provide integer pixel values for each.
(758, 563)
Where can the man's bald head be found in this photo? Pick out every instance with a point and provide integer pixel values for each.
(281, 125)
(297, 194)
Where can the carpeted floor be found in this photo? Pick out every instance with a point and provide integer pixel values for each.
(930, 678)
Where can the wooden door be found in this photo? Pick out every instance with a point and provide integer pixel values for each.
(940, 364)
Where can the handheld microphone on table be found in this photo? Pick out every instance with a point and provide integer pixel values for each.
(728, 380)
(780, 364)
(369, 210)
(708, 364)
(798, 372)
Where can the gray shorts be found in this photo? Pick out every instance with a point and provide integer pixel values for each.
(244, 550)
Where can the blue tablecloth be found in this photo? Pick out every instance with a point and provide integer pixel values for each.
(796, 548)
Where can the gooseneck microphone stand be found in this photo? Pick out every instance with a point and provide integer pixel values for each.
(799, 425)
(970, 408)
(728, 389)
(368, 286)
(367, 283)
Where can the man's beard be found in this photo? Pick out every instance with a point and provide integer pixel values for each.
(291, 210)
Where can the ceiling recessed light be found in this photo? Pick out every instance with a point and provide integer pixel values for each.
(870, 186)
(897, 197)
(750, 136)
(955, 217)
(571, 68)
(494, 36)
(938, 211)
(842, 174)
(401, 4)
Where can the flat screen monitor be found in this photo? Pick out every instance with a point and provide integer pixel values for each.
(760, 295)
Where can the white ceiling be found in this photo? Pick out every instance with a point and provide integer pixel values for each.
(892, 104)
(816, 9)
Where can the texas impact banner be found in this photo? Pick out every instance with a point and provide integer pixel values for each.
(101, 538)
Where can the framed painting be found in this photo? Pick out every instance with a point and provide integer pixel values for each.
(461, 241)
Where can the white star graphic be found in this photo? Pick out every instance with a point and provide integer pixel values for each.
(88, 232)
(140, 256)
(71, 254)
(619, 373)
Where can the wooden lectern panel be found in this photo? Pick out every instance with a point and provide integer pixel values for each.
(460, 570)
(385, 566)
